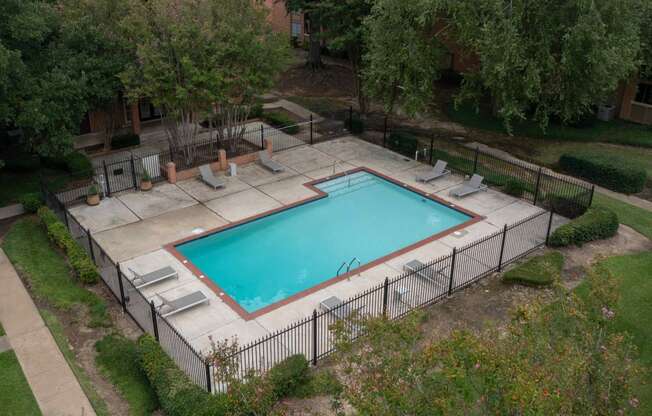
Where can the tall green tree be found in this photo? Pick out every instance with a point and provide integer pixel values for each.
(549, 58)
(202, 57)
(312, 14)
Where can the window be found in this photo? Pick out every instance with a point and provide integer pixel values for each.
(644, 94)
(296, 29)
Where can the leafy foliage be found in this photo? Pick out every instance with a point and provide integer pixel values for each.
(281, 121)
(596, 224)
(607, 170)
(538, 271)
(31, 201)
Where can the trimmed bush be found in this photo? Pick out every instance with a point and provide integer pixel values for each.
(537, 271)
(355, 125)
(596, 224)
(403, 143)
(31, 201)
(515, 187)
(79, 165)
(565, 206)
(289, 375)
(125, 140)
(177, 395)
(606, 170)
(256, 111)
(83, 266)
(281, 121)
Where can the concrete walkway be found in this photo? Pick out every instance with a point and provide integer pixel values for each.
(53, 383)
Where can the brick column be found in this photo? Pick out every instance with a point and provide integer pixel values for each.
(135, 118)
(268, 147)
(171, 172)
(221, 154)
(628, 96)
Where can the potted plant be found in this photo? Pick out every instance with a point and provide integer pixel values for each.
(145, 181)
(93, 196)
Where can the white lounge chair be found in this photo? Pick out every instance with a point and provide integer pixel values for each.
(173, 306)
(209, 178)
(270, 164)
(437, 171)
(432, 274)
(144, 280)
(472, 186)
(334, 306)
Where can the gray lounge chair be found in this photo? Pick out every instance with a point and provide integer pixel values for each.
(332, 305)
(472, 186)
(269, 163)
(209, 178)
(173, 306)
(437, 171)
(144, 280)
(427, 273)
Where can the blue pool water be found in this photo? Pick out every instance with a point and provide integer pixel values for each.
(267, 260)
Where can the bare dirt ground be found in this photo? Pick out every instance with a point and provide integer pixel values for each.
(334, 80)
(490, 301)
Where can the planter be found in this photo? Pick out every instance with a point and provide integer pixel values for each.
(93, 200)
(145, 185)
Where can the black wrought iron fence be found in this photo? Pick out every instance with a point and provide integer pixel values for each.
(313, 336)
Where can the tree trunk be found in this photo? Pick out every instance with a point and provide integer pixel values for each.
(314, 56)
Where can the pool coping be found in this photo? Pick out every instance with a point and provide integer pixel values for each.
(248, 316)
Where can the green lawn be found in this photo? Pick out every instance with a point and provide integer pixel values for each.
(16, 398)
(637, 218)
(634, 313)
(2, 330)
(537, 271)
(117, 358)
(47, 272)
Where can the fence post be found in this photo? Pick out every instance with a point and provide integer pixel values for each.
(208, 377)
(123, 301)
(106, 179)
(154, 322)
(432, 148)
(90, 245)
(350, 118)
(314, 337)
(62, 208)
(385, 290)
(502, 248)
(536, 190)
(385, 131)
(475, 159)
(133, 171)
(311, 128)
(549, 227)
(450, 285)
(591, 197)
(262, 137)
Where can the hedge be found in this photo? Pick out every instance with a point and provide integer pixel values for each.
(515, 187)
(281, 121)
(83, 266)
(403, 143)
(538, 271)
(563, 205)
(289, 375)
(596, 224)
(31, 201)
(125, 140)
(355, 125)
(79, 165)
(613, 173)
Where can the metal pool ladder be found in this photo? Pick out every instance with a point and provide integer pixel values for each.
(348, 265)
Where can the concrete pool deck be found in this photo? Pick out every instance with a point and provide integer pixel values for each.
(134, 227)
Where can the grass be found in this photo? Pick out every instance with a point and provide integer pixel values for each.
(2, 331)
(614, 132)
(117, 358)
(537, 271)
(48, 273)
(16, 397)
(630, 215)
(85, 382)
(15, 184)
(634, 312)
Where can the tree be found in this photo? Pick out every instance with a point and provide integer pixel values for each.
(202, 58)
(312, 14)
(403, 56)
(548, 58)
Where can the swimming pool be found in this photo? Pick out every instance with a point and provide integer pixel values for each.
(281, 256)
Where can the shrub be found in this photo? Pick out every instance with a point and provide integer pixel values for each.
(281, 121)
(287, 376)
(256, 111)
(565, 206)
(537, 271)
(596, 224)
(614, 173)
(515, 187)
(125, 140)
(92, 190)
(83, 266)
(79, 165)
(403, 143)
(31, 201)
(355, 125)
(177, 395)
(21, 162)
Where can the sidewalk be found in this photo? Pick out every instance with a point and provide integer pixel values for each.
(55, 387)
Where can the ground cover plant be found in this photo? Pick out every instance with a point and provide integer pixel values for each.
(541, 270)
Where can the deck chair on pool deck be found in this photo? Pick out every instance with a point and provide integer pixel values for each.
(430, 274)
(270, 164)
(332, 305)
(209, 178)
(169, 307)
(437, 171)
(144, 280)
(469, 187)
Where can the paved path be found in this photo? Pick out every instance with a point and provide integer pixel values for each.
(11, 211)
(55, 387)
